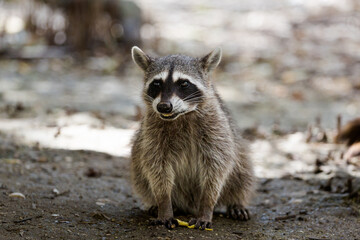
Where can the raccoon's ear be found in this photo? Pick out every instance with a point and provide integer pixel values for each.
(140, 58)
(210, 61)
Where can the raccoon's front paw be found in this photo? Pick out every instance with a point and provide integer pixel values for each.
(200, 223)
(169, 223)
(238, 212)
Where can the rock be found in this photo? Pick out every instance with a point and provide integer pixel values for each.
(17, 195)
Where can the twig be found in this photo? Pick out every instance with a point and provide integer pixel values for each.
(27, 219)
(338, 123)
(314, 238)
(280, 218)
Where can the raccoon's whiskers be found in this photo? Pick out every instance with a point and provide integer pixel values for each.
(191, 95)
(147, 97)
(195, 100)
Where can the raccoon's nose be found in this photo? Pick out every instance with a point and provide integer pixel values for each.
(164, 107)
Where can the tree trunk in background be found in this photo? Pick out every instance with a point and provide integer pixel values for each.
(108, 24)
(81, 17)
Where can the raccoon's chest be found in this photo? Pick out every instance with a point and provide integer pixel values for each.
(187, 189)
(187, 163)
(182, 145)
(185, 151)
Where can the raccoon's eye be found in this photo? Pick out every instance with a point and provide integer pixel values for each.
(156, 83)
(185, 84)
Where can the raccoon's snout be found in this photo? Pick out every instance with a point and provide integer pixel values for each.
(164, 107)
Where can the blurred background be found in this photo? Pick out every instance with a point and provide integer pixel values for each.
(290, 74)
(66, 68)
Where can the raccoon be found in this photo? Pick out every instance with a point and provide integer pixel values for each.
(188, 154)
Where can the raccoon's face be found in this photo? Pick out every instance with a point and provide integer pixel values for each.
(173, 93)
(175, 85)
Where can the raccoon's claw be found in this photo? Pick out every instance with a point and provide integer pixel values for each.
(155, 222)
(170, 223)
(200, 224)
(153, 211)
(238, 213)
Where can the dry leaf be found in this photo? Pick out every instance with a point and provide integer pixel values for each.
(353, 151)
(350, 133)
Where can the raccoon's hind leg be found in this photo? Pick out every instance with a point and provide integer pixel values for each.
(238, 191)
(238, 212)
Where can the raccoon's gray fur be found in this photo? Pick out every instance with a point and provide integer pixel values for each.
(188, 154)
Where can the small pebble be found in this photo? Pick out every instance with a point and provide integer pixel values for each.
(303, 212)
(100, 204)
(17, 195)
(57, 192)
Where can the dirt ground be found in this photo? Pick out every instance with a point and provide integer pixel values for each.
(87, 195)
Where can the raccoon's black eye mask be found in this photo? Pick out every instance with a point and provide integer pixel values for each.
(155, 88)
(183, 88)
(187, 91)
